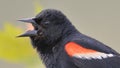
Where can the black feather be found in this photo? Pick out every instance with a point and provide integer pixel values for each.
(56, 31)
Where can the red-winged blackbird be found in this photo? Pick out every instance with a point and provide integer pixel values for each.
(61, 45)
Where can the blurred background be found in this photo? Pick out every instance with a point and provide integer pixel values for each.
(99, 19)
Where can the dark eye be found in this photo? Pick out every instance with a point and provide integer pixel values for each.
(46, 23)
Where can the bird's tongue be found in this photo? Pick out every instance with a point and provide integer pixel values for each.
(29, 26)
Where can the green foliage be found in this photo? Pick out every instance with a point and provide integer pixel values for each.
(15, 49)
(18, 50)
(38, 7)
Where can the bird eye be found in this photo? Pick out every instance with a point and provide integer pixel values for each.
(46, 23)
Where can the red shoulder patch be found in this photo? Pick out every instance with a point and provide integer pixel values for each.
(73, 48)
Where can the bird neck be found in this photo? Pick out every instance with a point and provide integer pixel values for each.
(50, 52)
(68, 30)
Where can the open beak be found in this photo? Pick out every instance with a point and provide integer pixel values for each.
(29, 32)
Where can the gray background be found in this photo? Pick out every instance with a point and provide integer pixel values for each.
(99, 19)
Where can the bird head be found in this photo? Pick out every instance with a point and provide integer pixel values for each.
(48, 24)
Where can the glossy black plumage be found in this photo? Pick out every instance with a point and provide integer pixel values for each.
(54, 31)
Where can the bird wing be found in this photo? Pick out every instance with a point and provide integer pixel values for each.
(91, 58)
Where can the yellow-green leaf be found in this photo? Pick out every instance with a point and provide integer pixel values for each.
(16, 49)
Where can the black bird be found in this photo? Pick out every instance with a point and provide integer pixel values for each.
(61, 45)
